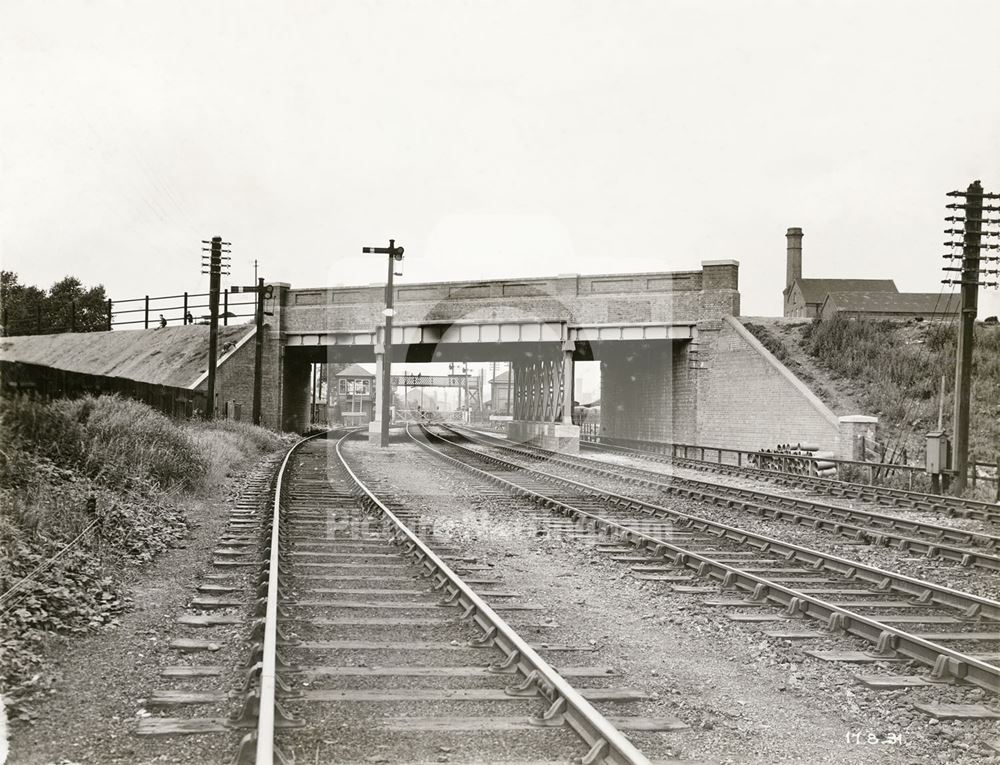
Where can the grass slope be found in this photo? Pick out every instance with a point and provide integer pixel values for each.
(115, 471)
(894, 369)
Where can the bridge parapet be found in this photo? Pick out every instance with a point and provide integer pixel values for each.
(681, 296)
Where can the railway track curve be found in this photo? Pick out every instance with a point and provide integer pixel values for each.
(337, 547)
(883, 495)
(970, 619)
(945, 542)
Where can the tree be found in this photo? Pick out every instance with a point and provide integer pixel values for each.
(68, 306)
(76, 308)
(21, 306)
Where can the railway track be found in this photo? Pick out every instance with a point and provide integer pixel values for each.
(969, 548)
(377, 644)
(883, 495)
(954, 634)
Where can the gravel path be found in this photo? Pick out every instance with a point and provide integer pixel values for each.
(748, 698)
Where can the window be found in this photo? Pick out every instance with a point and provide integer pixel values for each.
(356, 387)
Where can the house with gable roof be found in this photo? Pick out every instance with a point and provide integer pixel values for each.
(854, 298)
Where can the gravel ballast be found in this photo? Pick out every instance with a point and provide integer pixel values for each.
(890, 558)
(748, 698)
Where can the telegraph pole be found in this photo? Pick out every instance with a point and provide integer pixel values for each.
(385, 382)
(215, 262)
(969, 280)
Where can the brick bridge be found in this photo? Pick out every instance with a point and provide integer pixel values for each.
(676, 365)
(643, 328)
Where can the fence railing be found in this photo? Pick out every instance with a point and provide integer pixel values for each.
(321, 413)
(423, 415)
(144, 312)
(178, 309)
(912, 477)
(50, 319)
(50, 383)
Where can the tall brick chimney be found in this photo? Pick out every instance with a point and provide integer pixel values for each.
(794, 257)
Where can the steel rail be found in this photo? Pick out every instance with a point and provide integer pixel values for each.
(890, 641)
(915, 588)
(885, 495)
(974, 508)
(268, 672)
(607, 744)
(803, 456)
(937, 531)
(791, 508)
(888, 495)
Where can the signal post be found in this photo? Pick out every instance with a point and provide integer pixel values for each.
(378, 431)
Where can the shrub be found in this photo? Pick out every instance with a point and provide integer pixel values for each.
(64, 465)
(116, 441)
(29, 425)
(897, 368)
(262, 439)
(128, 442)
(224, 443)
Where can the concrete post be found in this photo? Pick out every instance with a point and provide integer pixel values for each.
(567, 416)
(375, 426)
(854, 429)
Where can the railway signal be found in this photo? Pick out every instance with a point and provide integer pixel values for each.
(385, 367)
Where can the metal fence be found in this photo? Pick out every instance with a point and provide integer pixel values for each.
(912, 477)
(186, 308)
(423, 415)
(133, 313)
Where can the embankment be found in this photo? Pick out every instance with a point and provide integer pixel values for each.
(91, 490)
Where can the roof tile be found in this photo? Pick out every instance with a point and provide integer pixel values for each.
(816, 290)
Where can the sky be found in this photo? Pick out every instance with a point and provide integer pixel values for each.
(490, 139)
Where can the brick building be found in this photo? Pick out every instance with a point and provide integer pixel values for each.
(804, 298)
(500, 388)
(354, 394)
(881, 305)
(856, 298)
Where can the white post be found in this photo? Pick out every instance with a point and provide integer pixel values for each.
(375, 426)
(567, 417)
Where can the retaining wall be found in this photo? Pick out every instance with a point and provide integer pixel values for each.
(747, 399)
